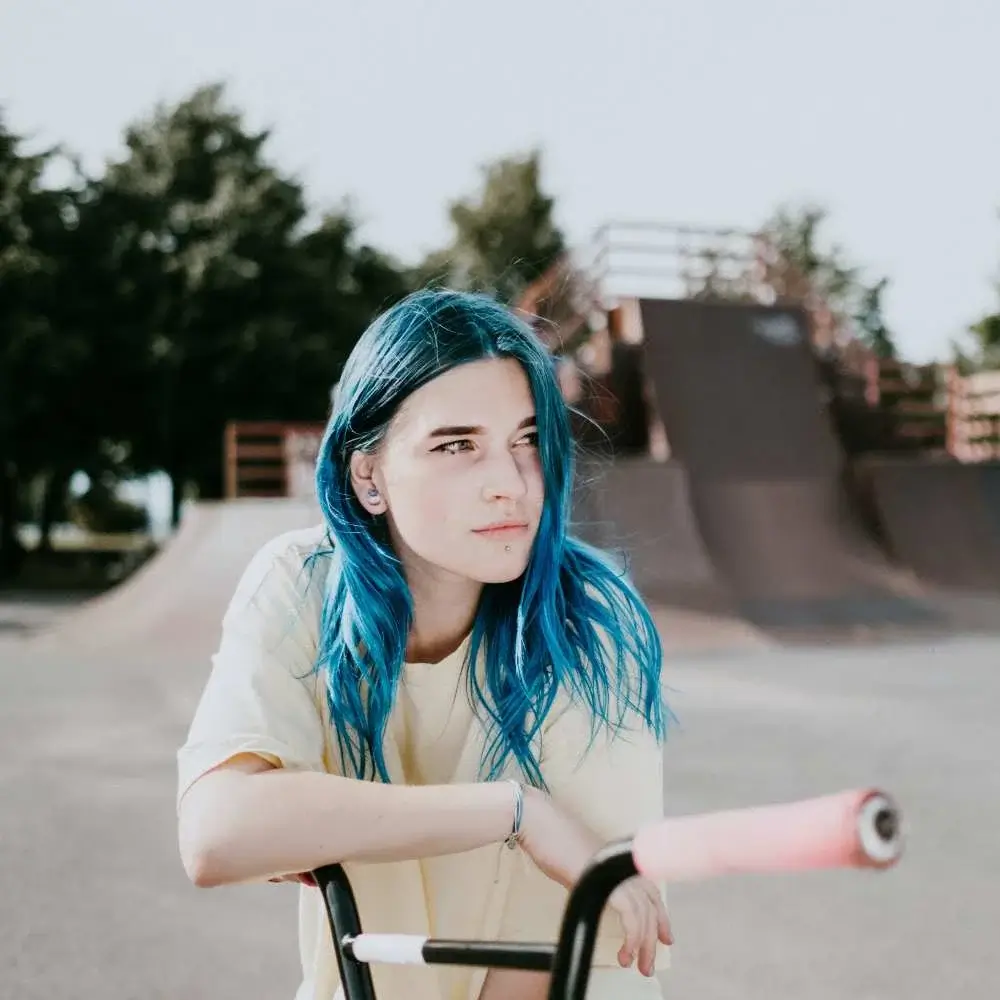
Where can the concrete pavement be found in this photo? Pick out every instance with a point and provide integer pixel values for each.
(95, 904)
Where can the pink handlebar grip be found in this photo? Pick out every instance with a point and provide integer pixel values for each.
(853, 829)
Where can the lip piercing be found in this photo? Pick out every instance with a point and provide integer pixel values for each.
(506, 548)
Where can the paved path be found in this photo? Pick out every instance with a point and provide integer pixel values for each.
(921, 721)
(94, 904)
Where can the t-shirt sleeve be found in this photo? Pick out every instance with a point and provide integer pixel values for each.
(613, 783)
(261, 693)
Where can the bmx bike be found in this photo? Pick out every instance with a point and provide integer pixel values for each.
(859, 828)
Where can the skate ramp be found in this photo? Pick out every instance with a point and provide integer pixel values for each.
(738, 391)
(644, 509)
(940, 518)
(175, 602)
(795, 558)
(640, 510)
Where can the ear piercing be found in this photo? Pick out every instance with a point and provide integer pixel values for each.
(373, 496)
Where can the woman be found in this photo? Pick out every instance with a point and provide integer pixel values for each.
(394, 687)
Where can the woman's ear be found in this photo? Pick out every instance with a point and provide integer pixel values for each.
(363, 467)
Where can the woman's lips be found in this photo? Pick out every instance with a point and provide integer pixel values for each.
(501, 530)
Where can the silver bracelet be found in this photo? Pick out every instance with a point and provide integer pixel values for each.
(514, 837)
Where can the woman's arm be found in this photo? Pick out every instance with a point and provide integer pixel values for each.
(255, 799)
(247, 821)
(609, 786)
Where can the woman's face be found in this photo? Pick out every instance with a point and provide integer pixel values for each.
(458, 475)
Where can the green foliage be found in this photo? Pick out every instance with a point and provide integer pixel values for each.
(979, 349)
(803, 266)
(983, 336)
(184, 286)
(505, 236)
(871, 323)
(795, 234)
(204, 236)
(793, 263)
(987, 331)
(143, 308)
(32, 354)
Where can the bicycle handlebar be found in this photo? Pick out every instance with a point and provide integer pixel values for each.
(853, 829)
(860, 828)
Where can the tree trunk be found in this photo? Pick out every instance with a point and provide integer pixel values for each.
(11, 550)
(52, 502)
(177, 481)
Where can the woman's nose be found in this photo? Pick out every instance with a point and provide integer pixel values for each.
(503, 479)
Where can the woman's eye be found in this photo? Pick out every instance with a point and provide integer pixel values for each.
(454, 447)
(465, 444)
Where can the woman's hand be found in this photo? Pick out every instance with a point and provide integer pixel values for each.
(561, 848)
(645, 920)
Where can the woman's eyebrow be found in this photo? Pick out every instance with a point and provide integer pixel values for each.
(458, 430)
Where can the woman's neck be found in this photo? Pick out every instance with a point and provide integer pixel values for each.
(443, 613)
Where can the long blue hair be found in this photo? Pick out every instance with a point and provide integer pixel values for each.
(572, 622)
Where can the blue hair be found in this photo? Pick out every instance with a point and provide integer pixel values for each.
(572, 622)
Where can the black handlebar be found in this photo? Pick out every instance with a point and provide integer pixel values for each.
(569, 960)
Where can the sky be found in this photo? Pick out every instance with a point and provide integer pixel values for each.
(711, 112)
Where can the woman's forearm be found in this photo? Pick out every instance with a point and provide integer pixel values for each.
(239, 827)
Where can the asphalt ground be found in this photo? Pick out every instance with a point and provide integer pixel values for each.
(94, 904)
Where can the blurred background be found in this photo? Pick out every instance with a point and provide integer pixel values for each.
(763, 241)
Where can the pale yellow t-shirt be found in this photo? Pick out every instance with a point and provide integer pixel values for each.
(262, 696)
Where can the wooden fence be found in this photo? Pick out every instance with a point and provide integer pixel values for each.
(938, 408)
(271, 458)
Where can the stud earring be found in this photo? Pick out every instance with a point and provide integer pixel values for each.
(373, 496)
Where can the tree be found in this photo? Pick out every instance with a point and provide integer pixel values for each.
(871, 324)
(33, 356)
(505, 237)
(797, 267)
(92, 405)
(143, 308)
(984, 350)
(201, 219)
(979, 349)
(244, 314)
(337, 286)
